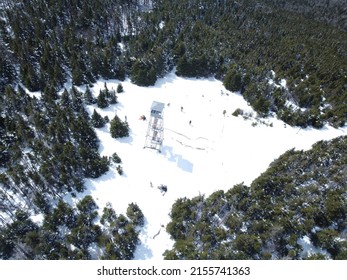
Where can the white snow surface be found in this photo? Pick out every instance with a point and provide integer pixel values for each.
(214, 152)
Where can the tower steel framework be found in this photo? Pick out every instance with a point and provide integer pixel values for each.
(155, 130)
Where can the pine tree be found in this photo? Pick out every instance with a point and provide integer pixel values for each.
(65, 98)
(88, 97)
(119, 128)
(232, 80)
(77, 76)
(97, 120)
(135, 214)
(143, 74)
(116, 158)
(120, 88)
(101, 100)
(112, 97)
(76, 98)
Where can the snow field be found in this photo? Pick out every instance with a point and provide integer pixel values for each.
(214, 152)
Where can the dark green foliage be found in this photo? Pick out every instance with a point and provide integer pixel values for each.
(237, 112)
(88, 97)
(97, 120)
(61, 150)
(116, 158)
(7, 244)
(87, 206)
(120, 169)
(102, 100)
(143, 74)
(120, 88)
(8, 73)
(10, 235)
(118, 128)
(190, 40)
(301, 194)
(123, 233)
(62, 215)
(232, 80)
(66, 228)
(135, 214)
(250, 245)
(106, 97)
(48, 146)
(194, 30)
(93, 165)
(41, 202)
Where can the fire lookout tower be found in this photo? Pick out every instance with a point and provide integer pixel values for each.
(155, 131)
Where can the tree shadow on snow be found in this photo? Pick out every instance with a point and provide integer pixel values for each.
(182, 162)
(126, 140)
(143, 251)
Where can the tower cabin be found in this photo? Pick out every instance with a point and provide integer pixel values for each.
(155, 130)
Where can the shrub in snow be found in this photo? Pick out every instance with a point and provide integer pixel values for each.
(237, 112)
(119, 169)
(233, 79)
(97, 120)
(116, 158)
(119, 128)
(120, 88)
(102, 100)
(88, 97)
(135, 214)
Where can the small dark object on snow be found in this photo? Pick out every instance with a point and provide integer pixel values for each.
(190, 122)
(143, 117)
(163, 188)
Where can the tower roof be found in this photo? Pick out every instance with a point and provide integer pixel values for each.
(157, 108)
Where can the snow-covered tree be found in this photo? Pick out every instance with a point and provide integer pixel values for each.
(119, 128)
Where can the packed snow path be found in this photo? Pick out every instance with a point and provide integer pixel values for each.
(204, 150)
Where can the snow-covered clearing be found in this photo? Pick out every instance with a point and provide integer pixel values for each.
(215, 152)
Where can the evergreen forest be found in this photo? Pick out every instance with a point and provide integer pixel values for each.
(287, 58)
(302, 195)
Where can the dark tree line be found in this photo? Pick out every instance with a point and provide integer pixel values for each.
(49, 40)
(48, 144)
(70, 233)
(301, 195)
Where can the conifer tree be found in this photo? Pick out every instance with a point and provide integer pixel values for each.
(65, 98)
(76, 98)
(102, 100)
(119, 128)
(232, 80)
(112, 97)
(97, 120)
(120, 88)
(88, 97)
(135, 214)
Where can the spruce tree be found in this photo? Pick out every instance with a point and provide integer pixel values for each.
(135, 214)
(232, 80)
(116, 158)
(97, 120)
(101, 100)
(88, 97)
(112, 97)
(65, 98)
(119, 128)
(120, 88)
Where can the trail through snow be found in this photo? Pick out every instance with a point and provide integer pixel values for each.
(214, 152)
